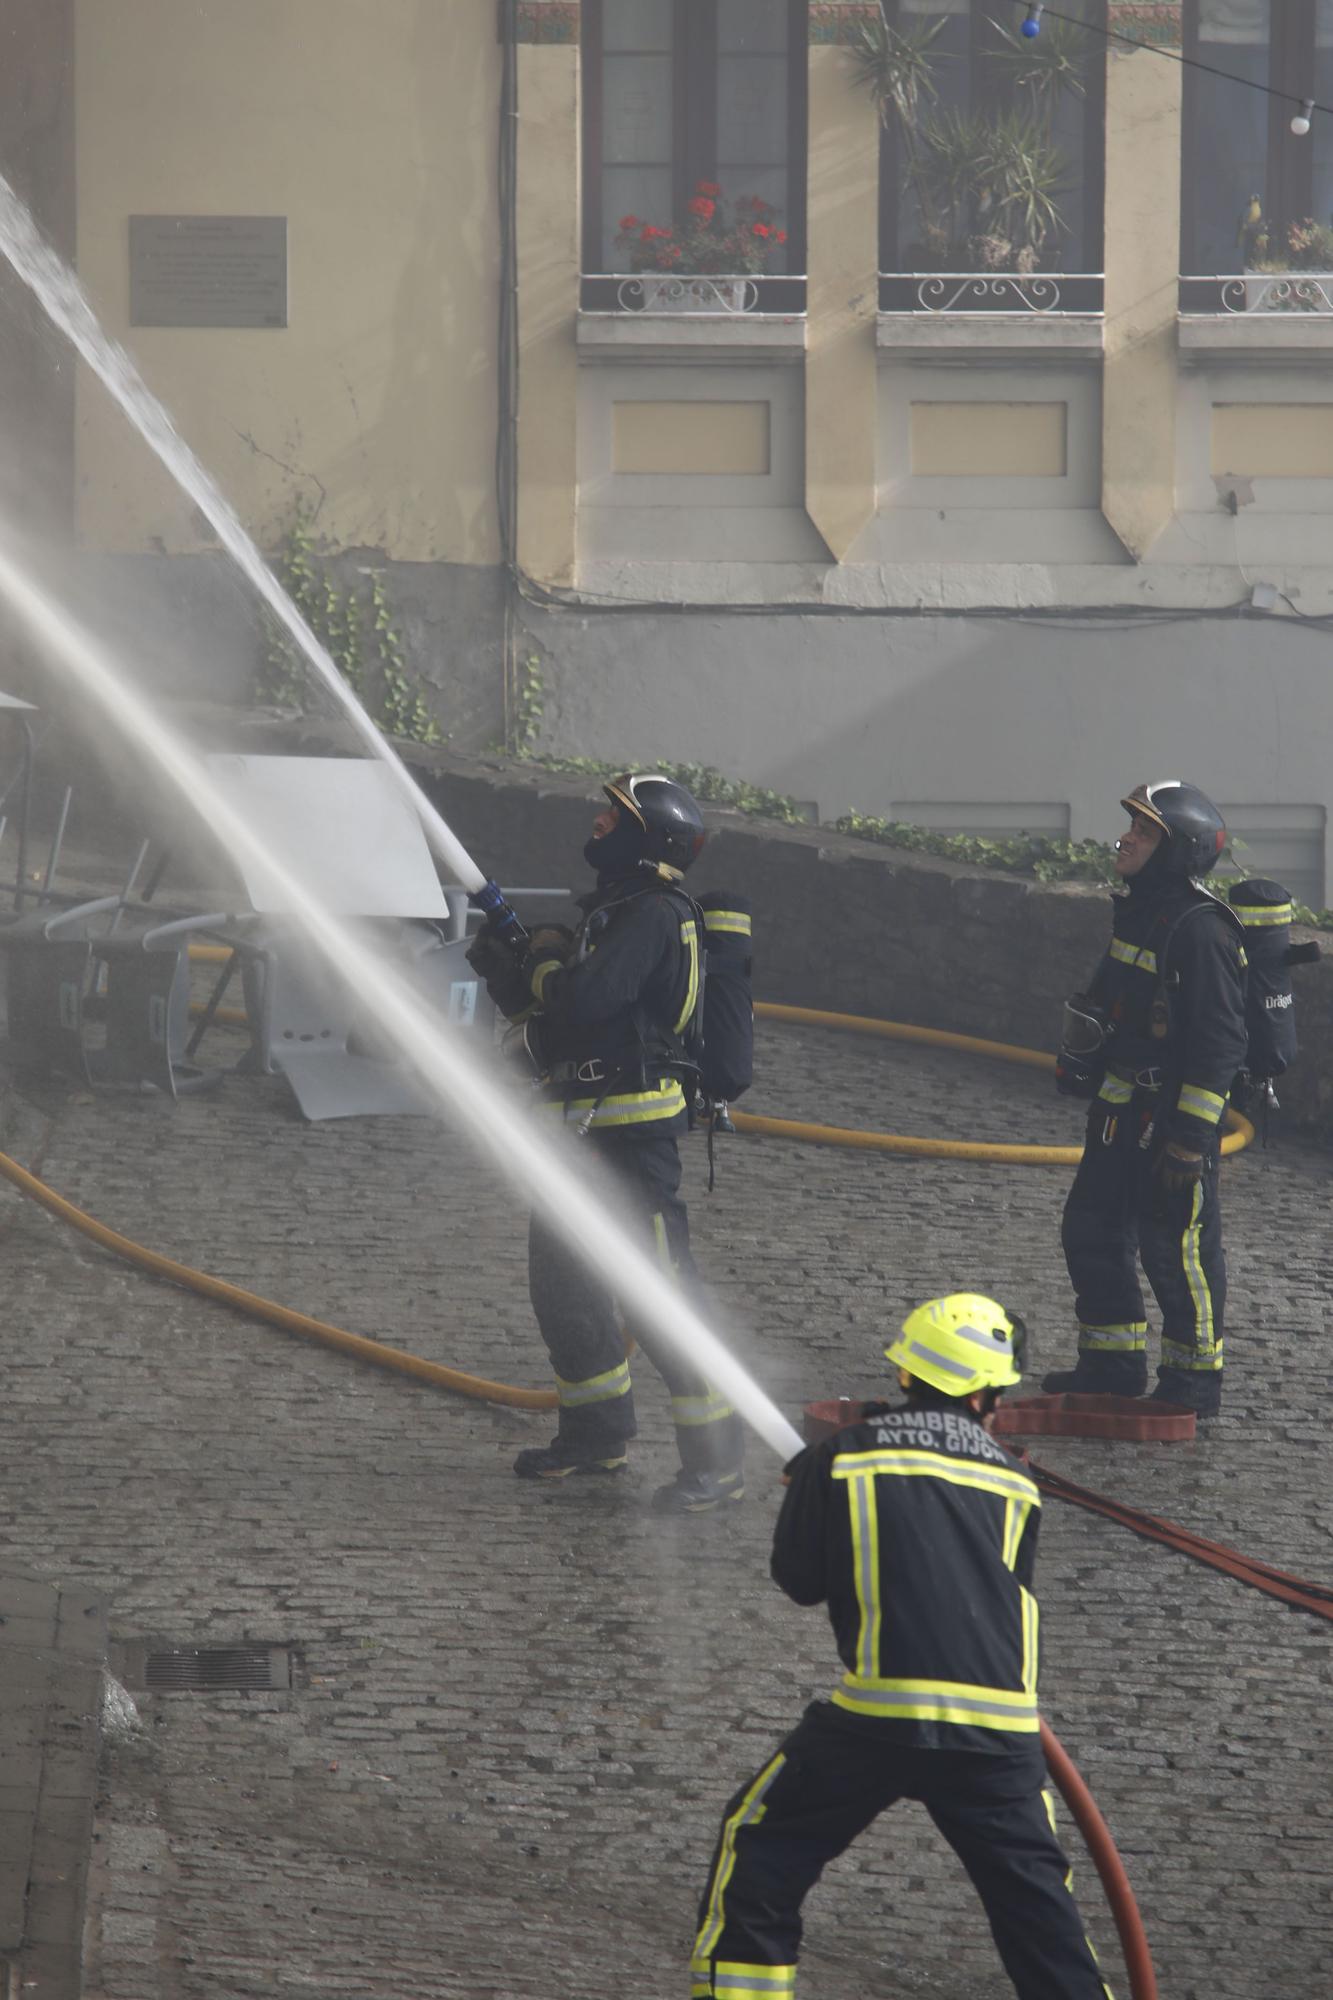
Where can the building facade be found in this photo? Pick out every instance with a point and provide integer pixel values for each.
(999, 478)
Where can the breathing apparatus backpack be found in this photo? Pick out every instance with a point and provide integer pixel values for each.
(725, 1053)
(1264, 909)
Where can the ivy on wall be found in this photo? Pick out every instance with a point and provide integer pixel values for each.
(355, 624)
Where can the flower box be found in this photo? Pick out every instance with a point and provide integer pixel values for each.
(1289, 291)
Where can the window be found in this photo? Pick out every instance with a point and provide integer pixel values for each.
(999, 165)
(682, 91)
(1254, 194)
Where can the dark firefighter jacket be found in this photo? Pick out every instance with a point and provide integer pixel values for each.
(612, 1018)
(1177, 1009)
(920, 1533)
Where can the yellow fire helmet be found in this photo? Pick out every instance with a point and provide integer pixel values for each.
(961, 1344)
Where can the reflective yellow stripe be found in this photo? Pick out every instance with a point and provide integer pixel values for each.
(1015, 1520)
(689, 937)
(727, 920)
(1255, 919)
(1031, 1627)
(661, 1245)
(748, 1813)
(1175, 1356)
(1132, 954)
(935, 1465)
(688, 1412)
(597, 1388)
(948, 1701)
(1243, 956)
(736, 1981)
(1115, 1090)
(540, 974)
(1205, 1104)
(1202, 1299)
(864, 1517)
(630, 1107)
(1126, 1338)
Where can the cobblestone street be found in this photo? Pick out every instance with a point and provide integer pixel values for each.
(517, 1712)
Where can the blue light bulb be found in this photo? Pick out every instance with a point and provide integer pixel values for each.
(1032, 25)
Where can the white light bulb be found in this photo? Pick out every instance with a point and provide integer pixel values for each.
(1300, 124)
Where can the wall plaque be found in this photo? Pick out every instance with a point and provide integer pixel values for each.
(208, 270)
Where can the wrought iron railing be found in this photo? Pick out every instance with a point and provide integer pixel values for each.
(1259, 292)
(685, 292)
(1021, 292)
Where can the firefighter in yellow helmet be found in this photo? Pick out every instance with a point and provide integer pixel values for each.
(919, 1532)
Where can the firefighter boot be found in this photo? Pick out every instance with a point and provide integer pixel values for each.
(558, 1459)
(1100, 1375)
(700, 1492)
(1200, 1391)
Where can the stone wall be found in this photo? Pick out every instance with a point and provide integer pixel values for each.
(843, 924)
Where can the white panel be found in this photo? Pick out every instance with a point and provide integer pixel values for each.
(636, 24)
(342, 826)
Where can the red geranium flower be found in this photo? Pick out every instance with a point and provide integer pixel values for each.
(762, 229)
(701, 206)
(629, 222)
(707, 187)
(782, 236)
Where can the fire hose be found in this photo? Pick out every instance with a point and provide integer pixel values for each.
(1300, 1595)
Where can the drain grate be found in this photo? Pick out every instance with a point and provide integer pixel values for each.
(217, 1669)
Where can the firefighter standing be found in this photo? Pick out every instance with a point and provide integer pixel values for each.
(606, 1010)
(920, 1532)
(1156, 1044)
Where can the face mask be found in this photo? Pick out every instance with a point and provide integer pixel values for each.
(618, 852)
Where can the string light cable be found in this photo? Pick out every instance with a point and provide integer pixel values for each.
(1305, 107)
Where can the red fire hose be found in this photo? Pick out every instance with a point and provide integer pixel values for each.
(1097, 1839)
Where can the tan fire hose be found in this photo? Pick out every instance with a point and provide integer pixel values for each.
(1240, 1132)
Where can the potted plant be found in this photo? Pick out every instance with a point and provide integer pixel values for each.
(705, 263)
(1286, 269)
(982, 187)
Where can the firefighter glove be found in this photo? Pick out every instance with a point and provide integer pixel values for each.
(553, 941)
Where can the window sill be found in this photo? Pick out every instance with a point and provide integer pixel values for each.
(1281, 338)
(645, 336)
(925, 336)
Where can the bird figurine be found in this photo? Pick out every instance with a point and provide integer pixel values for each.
(1249, 222)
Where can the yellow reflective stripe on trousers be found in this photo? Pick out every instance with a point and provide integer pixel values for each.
(1200, 1103)
(1131, 954)
(1049, 1803)
(689, 937)
(736, 921)
(732, 1980)
(597, 1388)
(1255, 919)
(1200, 1297)
(931, 1464)
(1126, 1337)
(1116, 1090)
(688, 1412)
(949, 1701)
(624, 1107)
(864, 1518)
(749, 1812)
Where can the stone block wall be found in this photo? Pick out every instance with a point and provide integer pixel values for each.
(842, 924)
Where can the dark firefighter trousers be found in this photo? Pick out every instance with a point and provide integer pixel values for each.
(1117, 1208)
(584, 1331)
(826, 1784)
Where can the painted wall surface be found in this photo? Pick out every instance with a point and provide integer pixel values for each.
(372, 129)
(861, 714)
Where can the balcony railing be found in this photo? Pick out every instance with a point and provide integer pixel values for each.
(958, 292)
(688, 292)
(1260, 292)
